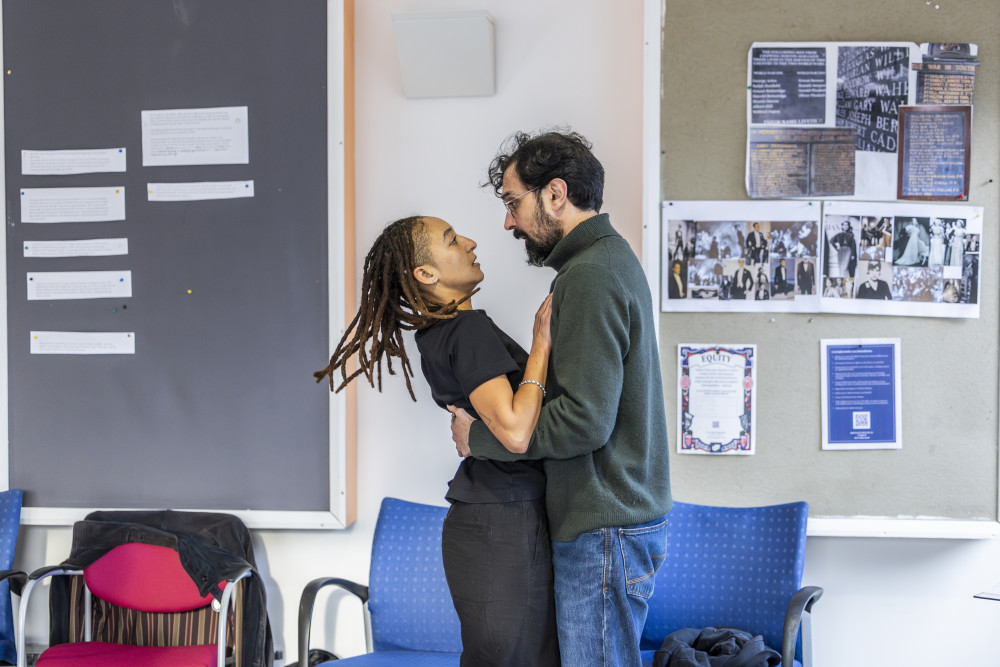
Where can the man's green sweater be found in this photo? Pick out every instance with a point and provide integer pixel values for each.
(602, 432)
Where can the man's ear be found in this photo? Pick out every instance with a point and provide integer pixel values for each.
(425, 274)
(555, 195)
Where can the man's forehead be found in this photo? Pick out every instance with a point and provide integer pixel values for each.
(511, 183)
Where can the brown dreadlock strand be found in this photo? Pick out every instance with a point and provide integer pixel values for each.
(391, 302)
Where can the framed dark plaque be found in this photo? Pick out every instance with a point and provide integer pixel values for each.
(934, 145)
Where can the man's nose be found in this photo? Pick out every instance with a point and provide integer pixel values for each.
(508, 222)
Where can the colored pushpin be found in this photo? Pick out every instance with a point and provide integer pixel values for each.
(190, 291)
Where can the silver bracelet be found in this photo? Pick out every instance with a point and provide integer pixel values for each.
(537, 384)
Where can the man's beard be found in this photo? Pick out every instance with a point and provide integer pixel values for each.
(549, 232)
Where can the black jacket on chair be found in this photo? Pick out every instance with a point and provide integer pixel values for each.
(211, 546)
(714, 647)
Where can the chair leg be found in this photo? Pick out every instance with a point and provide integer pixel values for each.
(806, 629)
(368, 628)
(87, 602)
(223, 611)
(223, 607)
(22, 659)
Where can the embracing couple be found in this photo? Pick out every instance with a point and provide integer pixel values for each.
(558, 511)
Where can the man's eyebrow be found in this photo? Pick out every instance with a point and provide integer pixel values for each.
(446, 232)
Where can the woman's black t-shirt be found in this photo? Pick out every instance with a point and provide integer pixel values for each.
(456, 356)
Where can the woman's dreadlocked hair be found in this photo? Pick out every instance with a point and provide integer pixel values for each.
(391, 302)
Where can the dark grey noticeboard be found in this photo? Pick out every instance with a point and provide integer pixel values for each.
(217, 408)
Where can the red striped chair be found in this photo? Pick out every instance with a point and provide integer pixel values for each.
(142, 577)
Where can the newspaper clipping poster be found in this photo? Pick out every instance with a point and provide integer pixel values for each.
(740, 256)
(852, 257)
(822, 117)
(901, 259)
(716, 412)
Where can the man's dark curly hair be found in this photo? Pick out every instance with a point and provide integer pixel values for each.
(552, 154)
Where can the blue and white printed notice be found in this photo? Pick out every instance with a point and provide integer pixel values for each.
(862, 405)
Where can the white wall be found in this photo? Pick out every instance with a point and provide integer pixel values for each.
(903, 602)
(887, 602)
(575, 62)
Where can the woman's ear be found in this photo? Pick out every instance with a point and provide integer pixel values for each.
(425, 275)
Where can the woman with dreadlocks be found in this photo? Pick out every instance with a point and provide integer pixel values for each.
(420, 275)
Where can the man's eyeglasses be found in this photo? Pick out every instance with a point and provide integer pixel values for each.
(511, 204)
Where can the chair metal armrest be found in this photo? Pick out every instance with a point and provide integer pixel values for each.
(222, 606)
(241, 573)
(232, 577)
(17, 580)
(308, 600)
(51, 570)
(33, 579)
(801, 603)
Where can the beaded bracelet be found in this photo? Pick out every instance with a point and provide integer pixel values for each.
(537, 384)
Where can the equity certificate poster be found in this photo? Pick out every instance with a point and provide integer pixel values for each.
(717, 399)
(861, 388)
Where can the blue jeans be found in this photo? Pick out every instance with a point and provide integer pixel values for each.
(603, 579)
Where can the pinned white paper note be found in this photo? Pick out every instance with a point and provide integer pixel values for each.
(82, 342)
(172, 137)
(84, 161)
(199, 191)
(55, 285)
(102, 204)
(81, 248)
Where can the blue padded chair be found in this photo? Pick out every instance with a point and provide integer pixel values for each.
(10, 523)
(735, 567)
(410, 617)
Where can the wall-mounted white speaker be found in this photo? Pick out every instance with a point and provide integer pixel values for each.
(445, 54)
